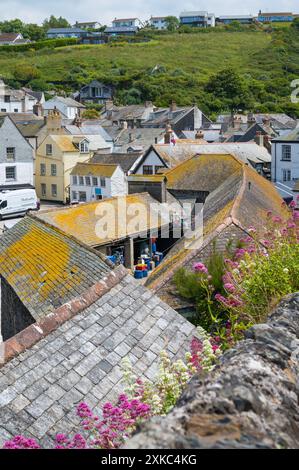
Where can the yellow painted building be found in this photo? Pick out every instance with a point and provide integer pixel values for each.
(56, 156)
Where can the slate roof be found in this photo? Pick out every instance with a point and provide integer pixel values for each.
(67, 101)
(80, 361)
(30, 128)
(202, 172)
(125, 160)
(94, 169)
(81, 221)
(45, 267)
(142, 138)
(172, 155)
(292, 136)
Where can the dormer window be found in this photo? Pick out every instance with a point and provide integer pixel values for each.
(84, 146)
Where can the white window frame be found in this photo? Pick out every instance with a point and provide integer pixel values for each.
(15, 173)
(54, 190)
(53, 169)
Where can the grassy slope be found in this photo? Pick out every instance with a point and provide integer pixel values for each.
(196, 53)
(187, 60)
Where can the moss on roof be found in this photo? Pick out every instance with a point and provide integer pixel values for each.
(94, 169)
(202, 172)
(102, 222)
(45, 267)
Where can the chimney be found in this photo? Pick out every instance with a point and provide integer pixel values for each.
(54, 124)
(172, 106)
(267, 120)
(168, 134)
(237, 121)
(250, 120)
(77, 121)
(108, 105)
(199, 135)
(259, 139)
(130, 137)
(38, 109)
(124, 125)
(148, 104)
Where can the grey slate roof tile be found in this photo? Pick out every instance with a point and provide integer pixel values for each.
(82, 362)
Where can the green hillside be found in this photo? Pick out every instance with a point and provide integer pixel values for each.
(174, 66)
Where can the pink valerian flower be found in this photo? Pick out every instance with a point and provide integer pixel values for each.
(277, 220)
(21, 442)
(200, 268)
(240, 252)
(229, 287)
(292, 204)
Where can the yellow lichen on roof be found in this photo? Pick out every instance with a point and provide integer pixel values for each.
(150, 178)
(101, 222)
(65, 143)
(207, 168)
(40, 270)
(94, 169)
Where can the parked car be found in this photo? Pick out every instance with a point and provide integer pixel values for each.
(18, 202)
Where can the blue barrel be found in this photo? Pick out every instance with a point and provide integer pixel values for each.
(138, 274)
(148, 264)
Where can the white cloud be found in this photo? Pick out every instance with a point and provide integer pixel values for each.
(104, 11)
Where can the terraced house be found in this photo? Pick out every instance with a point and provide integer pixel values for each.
(16, 157)
(55, 158)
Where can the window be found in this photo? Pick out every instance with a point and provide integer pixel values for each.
(43, 189)
(87, 180)
(75, 180)
(7, 99)
(81, 180)
(53, 169)
(84, 147)
(157, 168)
(3, 204)
(286, 175)
(49, 149)
(286, 153)
(147, 169)
(3, 110)
(15, 110)
(94, 181)
(10, 153)
(82, 196)
(10, 173)
(74, 195)
(43, 169)
(54, 190)
(103, 182)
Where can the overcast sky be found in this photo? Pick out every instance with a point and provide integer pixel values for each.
(105, 10)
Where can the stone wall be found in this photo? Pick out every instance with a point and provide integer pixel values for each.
(249, 401)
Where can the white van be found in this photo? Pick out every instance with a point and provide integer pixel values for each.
(18, 202)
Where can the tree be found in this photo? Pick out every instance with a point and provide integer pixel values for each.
(228, 86)
(34, 32)
(91, 114)
(295, 24)
(172, 23)
(12, 26)
(54, 22)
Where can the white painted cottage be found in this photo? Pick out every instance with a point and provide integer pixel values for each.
(16, 157)
(96, 181)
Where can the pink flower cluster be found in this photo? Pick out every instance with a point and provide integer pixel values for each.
(110, 432)
(200, 268)
(21, 442)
